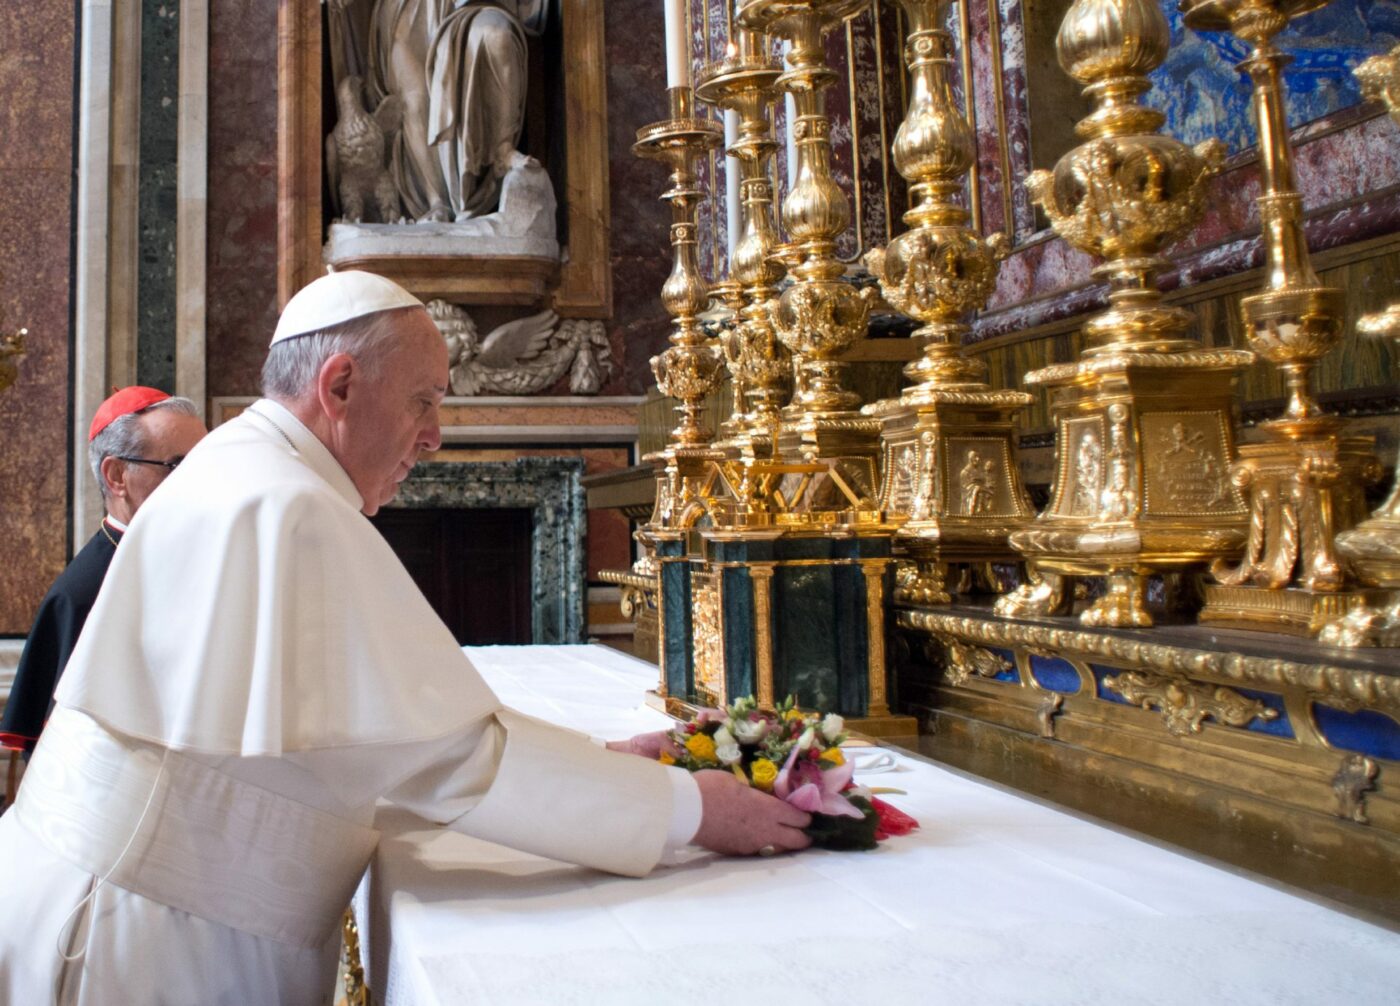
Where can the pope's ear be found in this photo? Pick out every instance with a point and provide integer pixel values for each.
(333, 384)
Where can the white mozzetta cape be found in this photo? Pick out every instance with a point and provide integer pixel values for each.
(257, 671)
(274, 618)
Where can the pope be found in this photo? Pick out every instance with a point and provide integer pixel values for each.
(258, 670)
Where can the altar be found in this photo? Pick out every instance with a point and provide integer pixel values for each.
(998, 898)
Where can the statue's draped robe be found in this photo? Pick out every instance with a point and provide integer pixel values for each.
(257, 670)
(476, 93)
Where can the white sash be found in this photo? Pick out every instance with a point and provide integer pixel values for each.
(199, 841)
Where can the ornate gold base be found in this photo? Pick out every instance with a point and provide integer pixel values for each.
(1294, 610)
(950, 465)
(1374, 623)
(849, 445)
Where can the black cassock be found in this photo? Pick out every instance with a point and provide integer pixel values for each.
(61, 616)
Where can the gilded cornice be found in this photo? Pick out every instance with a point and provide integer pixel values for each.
(1348, 686)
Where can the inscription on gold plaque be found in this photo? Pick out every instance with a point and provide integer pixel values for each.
(1187, 471)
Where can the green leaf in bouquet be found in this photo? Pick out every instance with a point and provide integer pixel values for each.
(829, 831)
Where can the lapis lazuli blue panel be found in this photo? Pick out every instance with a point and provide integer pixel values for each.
(1364, 731)
(1279, 725)
(1204, 96)
(1055, 673)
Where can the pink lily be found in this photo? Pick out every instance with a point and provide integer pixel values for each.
(807, 787)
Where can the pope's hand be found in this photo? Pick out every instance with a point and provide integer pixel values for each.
(649, 746)
(739, 820)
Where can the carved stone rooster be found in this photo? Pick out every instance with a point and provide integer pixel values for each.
(355, 161)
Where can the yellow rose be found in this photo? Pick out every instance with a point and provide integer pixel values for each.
(794, 714)
(666, 759)
(764, 774)
(834, 756)
(702, 746)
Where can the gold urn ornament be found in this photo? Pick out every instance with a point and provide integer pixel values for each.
(949, 451)
(1305, 480)
(1143, 430)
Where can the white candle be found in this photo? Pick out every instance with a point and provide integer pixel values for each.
(677, 45)
(731, 180)
(790, 106)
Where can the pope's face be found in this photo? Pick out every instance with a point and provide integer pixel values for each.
(394, 417)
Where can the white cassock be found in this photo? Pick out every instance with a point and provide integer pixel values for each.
(258, 669)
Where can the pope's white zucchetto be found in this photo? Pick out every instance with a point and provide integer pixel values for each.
(339, 297)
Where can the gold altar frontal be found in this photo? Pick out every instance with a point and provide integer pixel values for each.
(1247, 747)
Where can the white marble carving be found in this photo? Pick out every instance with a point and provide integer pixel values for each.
(524, 225)
(526, 356)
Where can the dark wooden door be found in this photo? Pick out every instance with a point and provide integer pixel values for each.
(472, 565)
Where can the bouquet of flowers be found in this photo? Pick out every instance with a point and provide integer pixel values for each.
(797, 757)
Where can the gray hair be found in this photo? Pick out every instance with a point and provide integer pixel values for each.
(124, 436)
(292, 364)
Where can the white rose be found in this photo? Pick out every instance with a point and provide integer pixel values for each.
(832, 726)
(726, 747)
(808, 736)
(750, 731)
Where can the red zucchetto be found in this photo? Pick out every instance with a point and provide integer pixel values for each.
(123, 403)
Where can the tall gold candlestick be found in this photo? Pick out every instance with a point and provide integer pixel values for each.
(949, 458)
(1372, 548)
(1143, 434)
(819, 316)
(1305, 480)
(760, 365)
(691, 368)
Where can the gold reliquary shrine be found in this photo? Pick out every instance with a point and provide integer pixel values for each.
(1194, 611)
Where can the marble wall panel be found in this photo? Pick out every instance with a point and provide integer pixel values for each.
(640, 252)
(36, 178)
(242, 206)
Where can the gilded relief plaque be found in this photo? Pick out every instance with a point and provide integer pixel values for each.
(979, 478)
(1080, 481)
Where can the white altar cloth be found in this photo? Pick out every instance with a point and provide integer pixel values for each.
(997, 899)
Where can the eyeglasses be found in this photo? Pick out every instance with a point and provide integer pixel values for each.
(167, 465)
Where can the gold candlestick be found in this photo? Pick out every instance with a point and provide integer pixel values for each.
(760, 366)
(1305, 480)
(1372, 548)
(691, 368)
(820, 315)
(949, 449)
(1142, 419)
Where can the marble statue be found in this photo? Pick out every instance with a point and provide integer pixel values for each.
(355, 161)
(458, 68)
